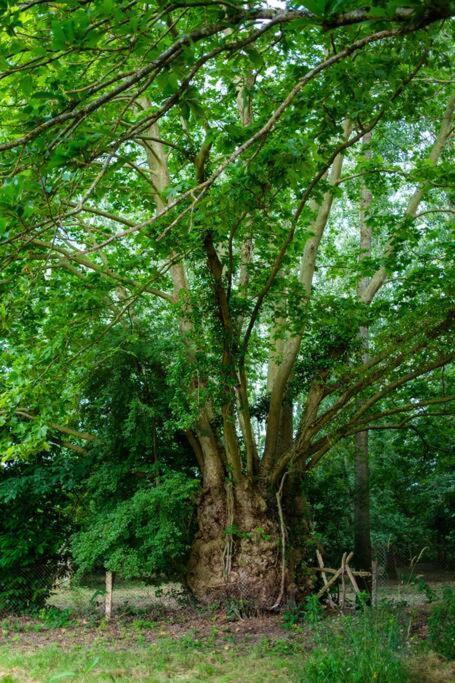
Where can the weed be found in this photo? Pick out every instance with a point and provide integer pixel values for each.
(144, 624)
(282, 647)
(53, 617)
(441, 625)
(293, 617)
(238, 608)
(362, 600)
(364, 647)
(310, 612)
(423, 587)
(190, 642)
(313, 610)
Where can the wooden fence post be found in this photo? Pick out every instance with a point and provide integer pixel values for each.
(343, 579)
(374, 582)
(324, 577)
(109, 592)
(343, 574)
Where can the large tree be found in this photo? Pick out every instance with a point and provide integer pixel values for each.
(191, 171)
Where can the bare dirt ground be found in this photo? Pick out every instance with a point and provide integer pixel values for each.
(217, 627)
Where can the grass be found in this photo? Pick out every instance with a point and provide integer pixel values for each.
(372, 645)
(162, 660)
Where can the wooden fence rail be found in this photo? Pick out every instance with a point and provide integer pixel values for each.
(343, 574)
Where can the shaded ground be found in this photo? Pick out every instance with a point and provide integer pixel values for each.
(30, 633)
(191, 648)
(161, 635)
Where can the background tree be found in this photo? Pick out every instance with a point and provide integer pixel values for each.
(411, 496)
(134, 514)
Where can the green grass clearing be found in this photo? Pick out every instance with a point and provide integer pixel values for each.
(159, 661)
(373, 645)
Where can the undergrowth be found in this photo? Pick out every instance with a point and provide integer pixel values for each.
(368, 646)
(441, 625)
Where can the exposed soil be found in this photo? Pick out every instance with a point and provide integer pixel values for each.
(147, 614)
(120, 633)
(199, 626)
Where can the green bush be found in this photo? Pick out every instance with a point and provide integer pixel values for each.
(358, 649)
(135, 515)
(145, 535)
(441, 625)
(34, 526)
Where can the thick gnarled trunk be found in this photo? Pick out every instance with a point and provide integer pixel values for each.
(237, 550)
(253, 530)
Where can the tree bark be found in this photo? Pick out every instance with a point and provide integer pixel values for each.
(236, 552)
(362, 527)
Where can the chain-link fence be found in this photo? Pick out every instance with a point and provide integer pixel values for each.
(379, 571)
(23, 589)
(43, 587)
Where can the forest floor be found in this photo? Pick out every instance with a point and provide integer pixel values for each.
(168, 639)
(251, 650)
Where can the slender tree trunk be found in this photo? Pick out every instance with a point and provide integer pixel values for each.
(362, 527)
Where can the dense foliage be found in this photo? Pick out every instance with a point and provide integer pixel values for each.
(412, 490)
(135, 513)
(35, 525)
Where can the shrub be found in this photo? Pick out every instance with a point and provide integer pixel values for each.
(33, 530)
(358, 649)
(144, 535)
(441, 625)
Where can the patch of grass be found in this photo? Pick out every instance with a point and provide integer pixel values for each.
(162, 660)
(441, 625)
(279, 646)
(367, 646)
(431, 668)
(358, 649)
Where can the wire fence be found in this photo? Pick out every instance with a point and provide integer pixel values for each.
(45, 586)
(380, 575)
(41, 588)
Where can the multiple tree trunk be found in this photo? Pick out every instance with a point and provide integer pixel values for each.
(252, 519)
